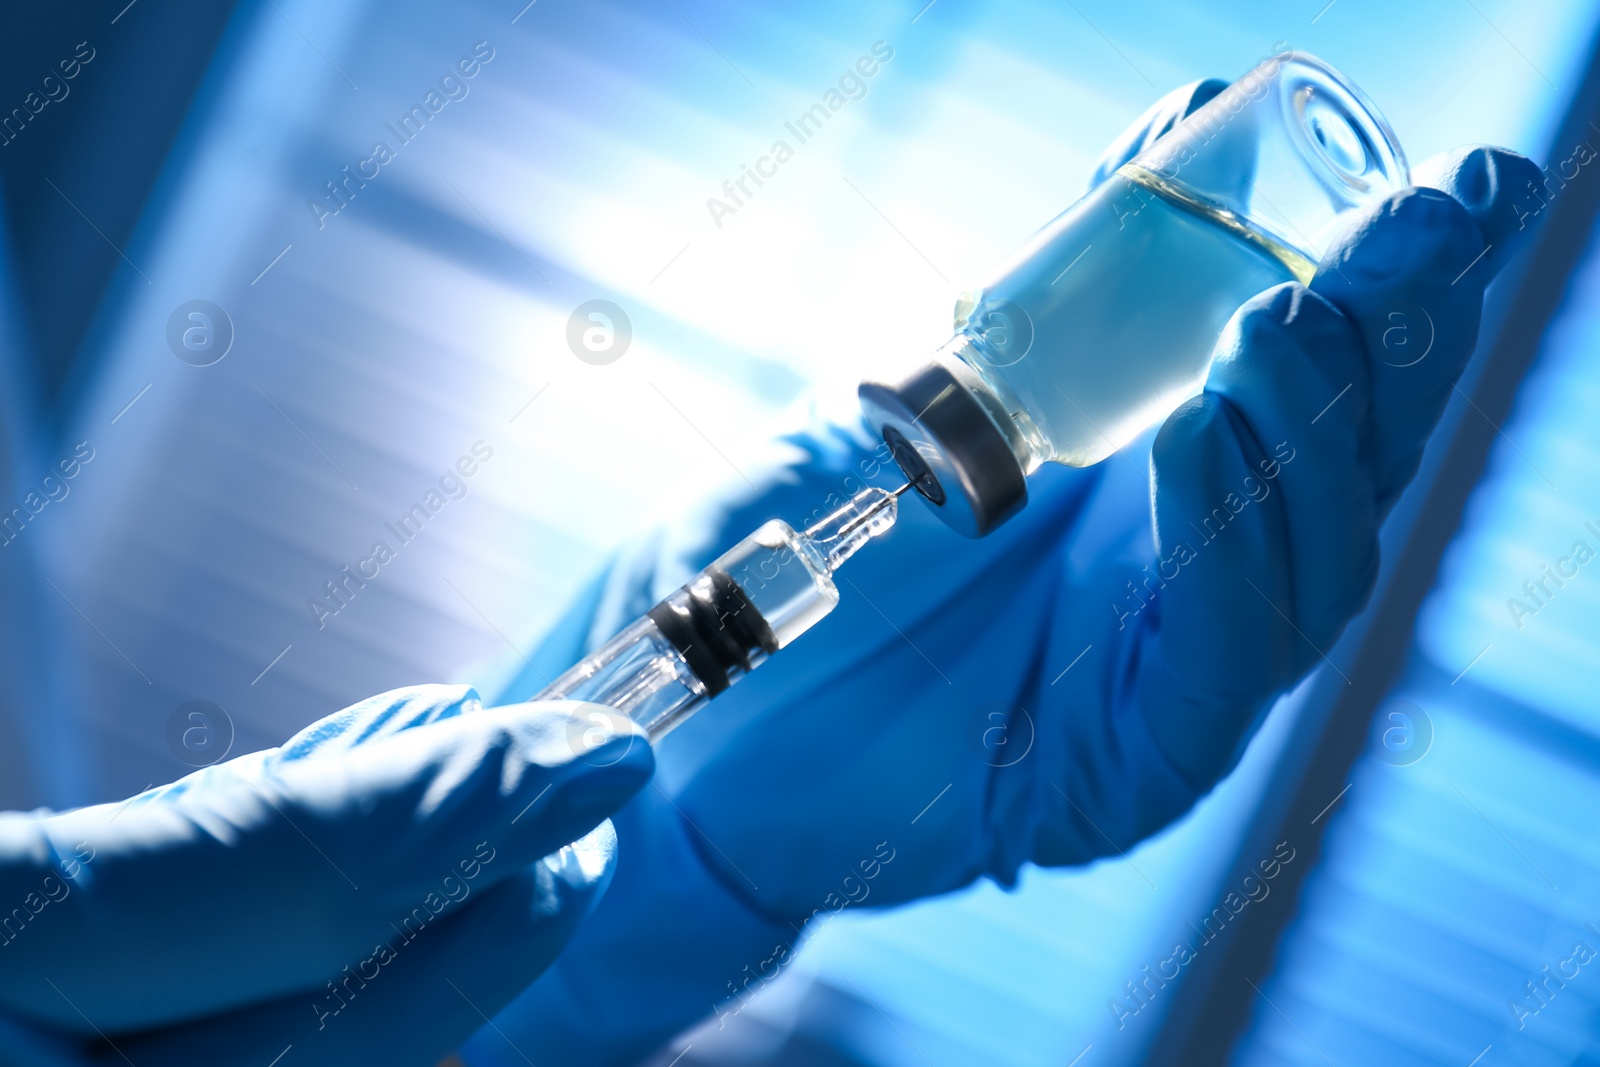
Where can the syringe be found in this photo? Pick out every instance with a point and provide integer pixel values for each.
(755, 599)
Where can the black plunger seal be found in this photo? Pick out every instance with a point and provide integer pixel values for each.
(715, 628)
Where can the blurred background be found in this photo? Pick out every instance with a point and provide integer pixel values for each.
(255, 342)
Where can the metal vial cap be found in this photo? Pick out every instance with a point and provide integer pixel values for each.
(949, 448)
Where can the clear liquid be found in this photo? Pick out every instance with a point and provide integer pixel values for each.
(1105, 321)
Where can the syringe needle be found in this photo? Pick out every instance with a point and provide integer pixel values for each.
(866, 515)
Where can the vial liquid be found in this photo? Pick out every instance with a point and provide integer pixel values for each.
(1106, 319)
(1143, 315)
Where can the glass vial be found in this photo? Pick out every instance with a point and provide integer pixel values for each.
(1105, 320)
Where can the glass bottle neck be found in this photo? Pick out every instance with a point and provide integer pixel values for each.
(963, 357)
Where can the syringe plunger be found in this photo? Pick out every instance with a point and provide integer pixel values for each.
(756, 598)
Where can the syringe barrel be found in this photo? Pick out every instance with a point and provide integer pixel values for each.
(638, 673)
(784, 576)
(755, 599)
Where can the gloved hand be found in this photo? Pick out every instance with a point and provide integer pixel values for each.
(370, 892)
(1069, 685)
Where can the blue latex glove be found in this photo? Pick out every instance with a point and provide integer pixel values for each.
(1062, 689)
(368, 893)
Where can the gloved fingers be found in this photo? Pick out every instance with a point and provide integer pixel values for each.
(1504, 192)
(1294, 372)
(1218, 591)
(377, 717)
(1156, 122)
(28, 1046)
(1410, 273)
(1350, 378)
(301, 871)
(413, 995)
